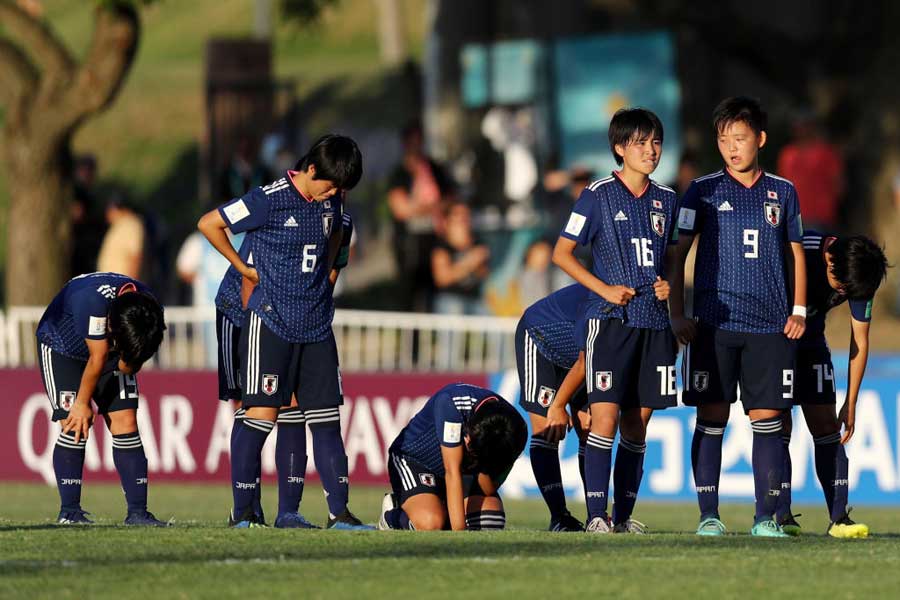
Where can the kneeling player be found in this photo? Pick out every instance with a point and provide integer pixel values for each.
(449, 461)
(838, 270)
(546, 352)
(93, 338)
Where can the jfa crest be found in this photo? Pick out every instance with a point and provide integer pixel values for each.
(773, 213)
(269, 384)
(604, 380)
(658, 223)
(701, 380)
(327, 220)
(66, 400)
(545, 398)
(427, 479)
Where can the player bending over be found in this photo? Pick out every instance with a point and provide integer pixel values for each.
(546, 354)
(287, 345)
(449, 461)
(745, 330)
(839, 269)
(627, 219)
(92, 340)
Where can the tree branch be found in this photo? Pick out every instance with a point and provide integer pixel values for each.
(40, 41)
(113, 48)
(18, 77)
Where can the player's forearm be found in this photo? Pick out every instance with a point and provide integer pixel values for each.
(455, 504)
(564, 258)
(859, 356)
(89, 379)
(675, 258)
(799, 274)
(571, 384)
(212, 226)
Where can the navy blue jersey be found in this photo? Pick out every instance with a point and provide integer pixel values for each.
(289, 238)
(740, 281)
(228, 299)
(441, 422)
(79, 312)
(628, 237)
(820, 296)
(550, 322)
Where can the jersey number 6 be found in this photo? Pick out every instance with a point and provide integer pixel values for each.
(309, 258)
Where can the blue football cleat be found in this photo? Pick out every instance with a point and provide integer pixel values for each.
(768, 528)
(143, 519)
(74, 516)
(293, 520)
(248, 520)
(348, 521)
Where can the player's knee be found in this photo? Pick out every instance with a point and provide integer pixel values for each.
(717, 412)
(821, 421)
(427, 521)
(632, 427)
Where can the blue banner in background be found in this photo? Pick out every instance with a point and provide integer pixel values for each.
(874, 451)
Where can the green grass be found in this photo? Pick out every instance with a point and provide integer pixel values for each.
(201, 558)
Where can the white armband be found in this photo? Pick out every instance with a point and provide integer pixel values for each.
(799, 311)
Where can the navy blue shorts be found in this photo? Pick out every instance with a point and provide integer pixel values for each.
(62, 378)
(539, 378)
(273, 369)
(814, 377)
(410, 478)
(718, 359)
(228, 337)
(630, 366)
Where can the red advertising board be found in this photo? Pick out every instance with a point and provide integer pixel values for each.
(186, 430)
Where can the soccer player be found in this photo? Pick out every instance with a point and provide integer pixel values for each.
(839, 269)
(546, 351)
(93, 339)
(447, 464)
(287, 345)
(290, 449)
(745, 329)
(627, 219)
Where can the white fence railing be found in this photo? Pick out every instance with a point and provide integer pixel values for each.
(367, 340)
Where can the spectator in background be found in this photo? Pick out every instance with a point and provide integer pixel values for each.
(415, 191)
(459, 264)
(88, 227)
(534, 281)
(122, 250)
(816, 168)
(560, 191)
(244, 171)
(202, 267)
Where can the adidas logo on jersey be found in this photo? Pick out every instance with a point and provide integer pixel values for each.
(291, 222)
(725, 206)
(620, 216)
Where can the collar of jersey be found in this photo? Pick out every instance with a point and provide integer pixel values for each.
(759, 177)
(290, 177)
(627, 189)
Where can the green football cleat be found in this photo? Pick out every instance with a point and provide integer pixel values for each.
(768, 528)
(711, 526)
(790, 526)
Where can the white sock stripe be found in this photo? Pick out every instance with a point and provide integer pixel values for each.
(786, 439)
(599, 441)
(127, 445)
(320, 411)
(710, 430)
(632, 446)
(541, 443)
(765, 426)
(320, 420)
(239, 414)
(71, 445)
(259, 424)
(831, 438)
(291, 417)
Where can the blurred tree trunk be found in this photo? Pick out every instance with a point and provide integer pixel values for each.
(46, 96)
(391, 32)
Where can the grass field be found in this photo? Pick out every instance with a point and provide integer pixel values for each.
(200, 558)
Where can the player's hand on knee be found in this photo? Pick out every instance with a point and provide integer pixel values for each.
(557, 424)
(79, 421)
(684, 329)
(847, 418)
(795, 327)
(661, 288)
(619, 294)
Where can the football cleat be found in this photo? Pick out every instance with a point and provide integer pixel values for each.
(845, 527)
(769, 529)
(599, 525)
(248, 520)
(388, 503)
(348, 521)
(630, 526)
(711, 526)
(143, 519)
(74, 516)
(789, 525)
(566, 523)
(292, 520)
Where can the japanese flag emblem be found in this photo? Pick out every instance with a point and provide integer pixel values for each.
(772, 195)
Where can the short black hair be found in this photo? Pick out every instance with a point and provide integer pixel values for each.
(337, 159)
(859, 264)
(136, 326)
(497, 436)
(630, 124)
(740, 109)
